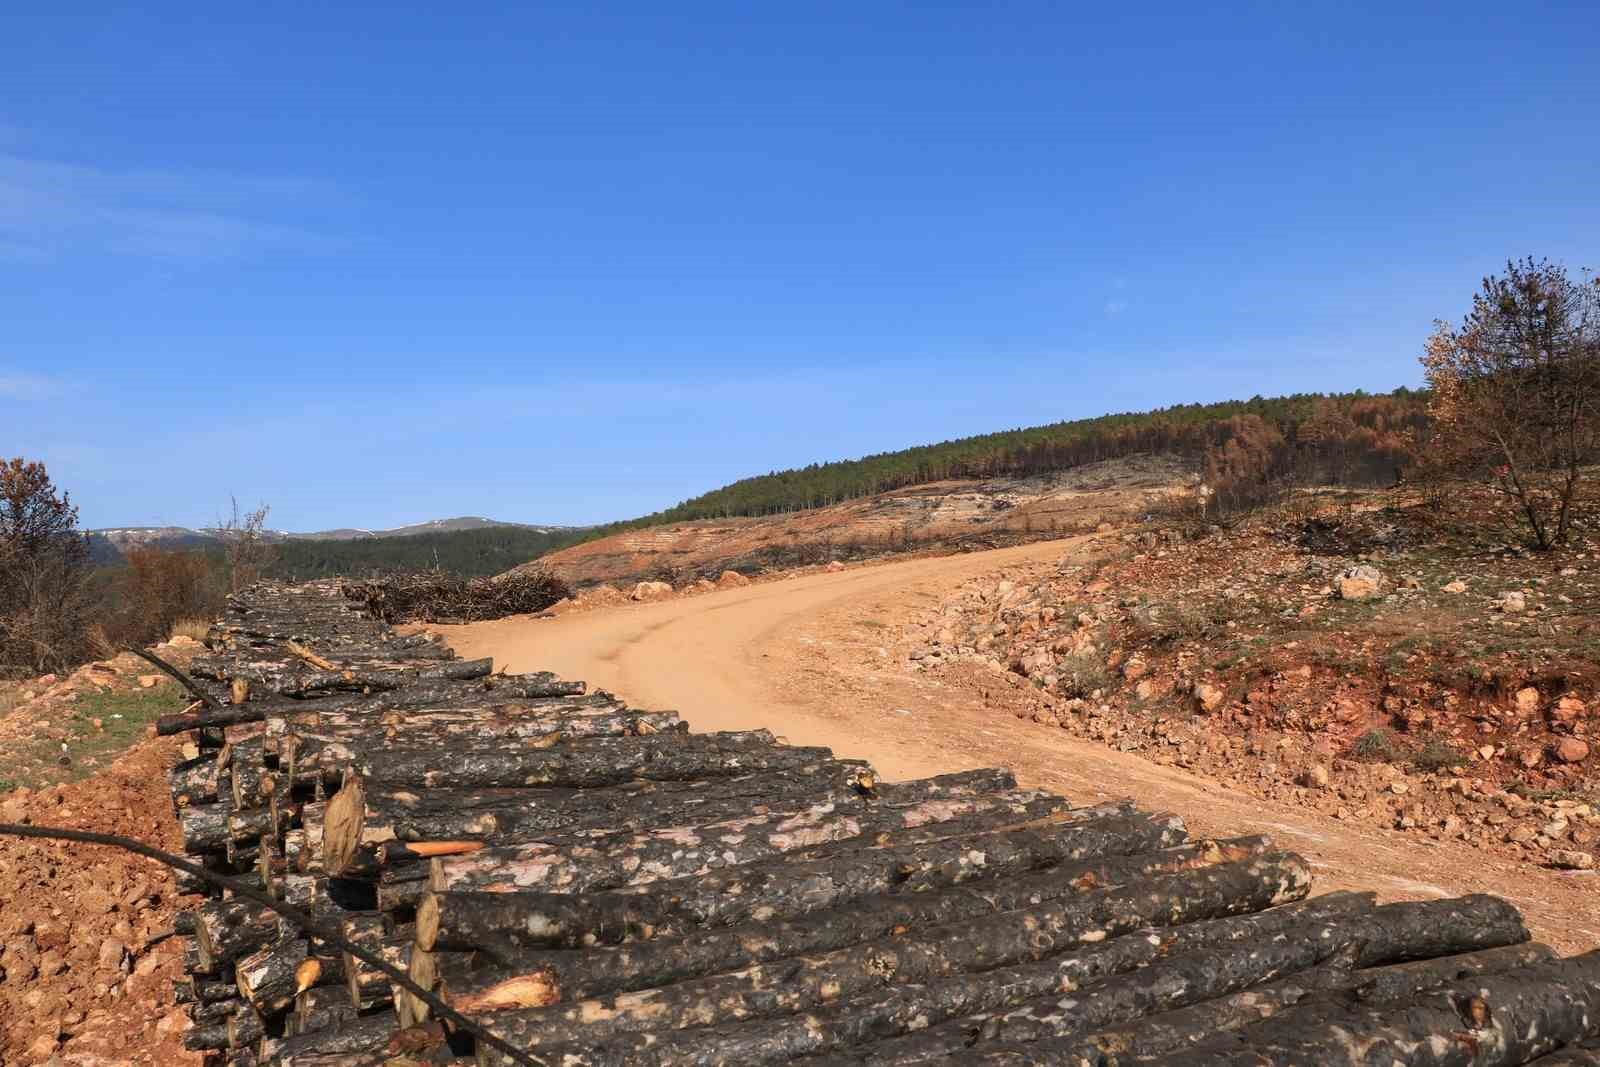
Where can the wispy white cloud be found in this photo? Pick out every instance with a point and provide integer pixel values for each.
(1116, 307)
(27, 386)
(50, 209)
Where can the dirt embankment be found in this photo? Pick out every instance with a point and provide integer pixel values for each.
(943, 516)
(86, 957)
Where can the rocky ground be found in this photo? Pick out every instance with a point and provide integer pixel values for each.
(1359, 654)
(87, 962)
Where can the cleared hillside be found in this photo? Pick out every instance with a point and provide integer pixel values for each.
(951, 515)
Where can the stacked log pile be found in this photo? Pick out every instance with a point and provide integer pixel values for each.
(598, 886)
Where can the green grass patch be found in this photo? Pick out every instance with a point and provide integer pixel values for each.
(123, 716)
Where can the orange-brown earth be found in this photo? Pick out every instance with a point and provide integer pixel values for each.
(87, 959)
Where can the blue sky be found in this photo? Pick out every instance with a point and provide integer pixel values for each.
(575, 262)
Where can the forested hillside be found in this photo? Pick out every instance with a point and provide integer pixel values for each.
(1242, 446)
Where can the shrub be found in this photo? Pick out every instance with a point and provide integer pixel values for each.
(1436, 754)
(1376, 745)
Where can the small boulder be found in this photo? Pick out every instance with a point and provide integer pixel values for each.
(1571, 859)
(1570, 750)
(1457, 587)
(149, 681)
(1567, 711)
(732, 580)
(1316, 776)
(1361, 582)
(1512, 603)
(1208, 696)
(651, 591)
(834, 566)
(1527, 700)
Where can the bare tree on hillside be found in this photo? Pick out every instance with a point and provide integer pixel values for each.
(244, 542)
(44, 569)
(1516, 391)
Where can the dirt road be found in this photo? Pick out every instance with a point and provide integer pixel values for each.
(808, 658)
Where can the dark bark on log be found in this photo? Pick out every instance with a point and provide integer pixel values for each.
(495, 923)
(1125, 978)
(269, 978)
(1168, 1032)
(226, 930)
(194, 781)
(600, 762)
(204, 828)
(321, 1008)
(585, 863)
(800, 886)
(231, 715)
(248, 825)
(1397, 982)
(245, 1028)
(205, 1038)
(1485, 1021)
(791, 890)
(215, 1011)
(514, 814)
(796, 985)
(365, 1034)
(1376, 987)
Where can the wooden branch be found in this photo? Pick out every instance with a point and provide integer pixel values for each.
(183, 679)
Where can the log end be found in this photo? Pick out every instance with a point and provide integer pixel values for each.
(342, 822)
(428, 921)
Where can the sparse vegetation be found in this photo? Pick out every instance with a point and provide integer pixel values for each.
(1376, 745)
(1436, 754)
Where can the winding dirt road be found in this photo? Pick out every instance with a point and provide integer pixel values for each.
(808, 658)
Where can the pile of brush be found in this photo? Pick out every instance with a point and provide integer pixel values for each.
(433, 596)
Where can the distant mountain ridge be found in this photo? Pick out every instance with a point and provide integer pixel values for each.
(121, 538)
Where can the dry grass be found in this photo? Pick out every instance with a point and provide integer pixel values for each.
(195, 628)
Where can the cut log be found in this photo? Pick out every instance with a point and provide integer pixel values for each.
(194, 781)
(599, 762)
(1503, 1019)
(798, 985)
(204, 827)
(798, 887)
(362, 1035)
(207, 1037)
(497, 923)
(227, 930)
(269, 978)
(321, 1007)
(588, 862)
(229, 715)
(368, 813)
(1400, 981)
(245, 1028)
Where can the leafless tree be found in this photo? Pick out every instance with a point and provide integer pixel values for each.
(244, 542)
(1516, 391)
(44, 600)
